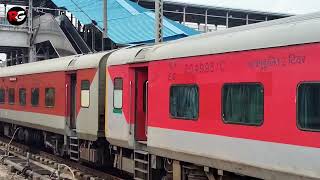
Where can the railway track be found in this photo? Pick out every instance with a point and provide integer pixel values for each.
(43, 165)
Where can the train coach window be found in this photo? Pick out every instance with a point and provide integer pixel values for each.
(22, 96)
(50, 97)
(11, 96)
(35, 96)
(243, 103)
(308, 106)
(2, 96)
(117, 93)
(85, 93)
(184, 102)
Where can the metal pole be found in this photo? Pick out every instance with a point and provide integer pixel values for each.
(184, 15)
(5, 10)
(79, 26)
(85, 33)
(11, 58)
(247, 19)
(227, 20)
(159, 21)
(105, 24)
(16, 58)
(28, 159)
(32, 48)
(30, 14)
(93, 38)
(206, 21)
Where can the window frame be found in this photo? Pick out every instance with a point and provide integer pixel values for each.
(14, 96)
(31, 96)
(81, 93)
(237, 123)
(297, 106)
(114, 108)
(145, 98)
(198, 109)
(4, 95)
(25, 99)
(45, 97)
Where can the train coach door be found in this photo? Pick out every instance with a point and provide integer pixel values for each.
(72, 100)
(141, 101)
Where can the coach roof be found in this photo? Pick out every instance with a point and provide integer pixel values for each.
(53, 65)
(276, 33)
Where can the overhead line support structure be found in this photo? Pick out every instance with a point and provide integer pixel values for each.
(32, 48)
(105, 24)
(159, 21)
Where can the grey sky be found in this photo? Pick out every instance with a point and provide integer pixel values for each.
(281, 6)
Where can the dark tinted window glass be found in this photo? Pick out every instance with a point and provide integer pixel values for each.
(308, 106)
(243, 104)
(11, 96)
(50, 97)
(35, 96)
(117, 93)
(85, 93)
(184, 101)
(2, 96)
(85, 85)
(118, 83)
(22, 96)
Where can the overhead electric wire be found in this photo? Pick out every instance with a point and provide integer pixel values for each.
(82, 10)
(94, 22)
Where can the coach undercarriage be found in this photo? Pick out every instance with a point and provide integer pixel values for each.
(35, 138)
(147, 166)
(140, 163)
(101, 154)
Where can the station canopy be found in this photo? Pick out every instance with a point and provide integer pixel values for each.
(128, 23)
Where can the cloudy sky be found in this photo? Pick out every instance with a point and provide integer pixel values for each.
(281, 6)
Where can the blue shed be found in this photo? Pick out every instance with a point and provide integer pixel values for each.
(128, 23)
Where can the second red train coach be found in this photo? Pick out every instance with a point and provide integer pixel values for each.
(243, 100)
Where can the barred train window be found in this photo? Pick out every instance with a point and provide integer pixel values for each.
(22, 96)
(50, 97)
(2, 96)
(308, 106)
(184, 102)
(35, 96)
(117, 93)
(85, 93)
(243, 104)
(11, 96)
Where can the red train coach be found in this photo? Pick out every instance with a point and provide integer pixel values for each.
(50, 101)
(243, 100)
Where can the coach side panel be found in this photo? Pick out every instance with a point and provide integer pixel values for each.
(87, 107)
(46, 110)
(120, 94)
(275, 144)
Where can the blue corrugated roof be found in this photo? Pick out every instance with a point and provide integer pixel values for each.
(128, 23)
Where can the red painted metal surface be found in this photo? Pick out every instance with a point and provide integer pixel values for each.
(140, 111)
(58, 80)
(280, 70)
